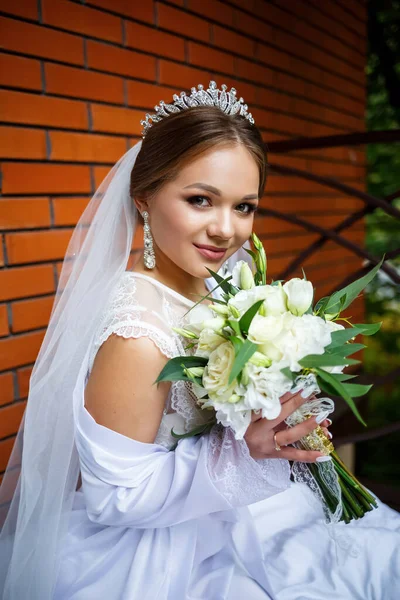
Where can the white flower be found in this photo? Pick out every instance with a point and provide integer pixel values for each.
(274, 299)
(242, 276)
(216, 373)
(299, 294)
(333, 326)
(301, 336)
(201, 317)
(209, 340)
(265, 388)
(265, 329)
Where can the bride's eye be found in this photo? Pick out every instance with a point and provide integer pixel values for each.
(198, 201)
(246, 208)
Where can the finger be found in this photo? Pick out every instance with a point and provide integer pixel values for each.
(307, 456)
(287, 409)
(294, 434)
(256, 416)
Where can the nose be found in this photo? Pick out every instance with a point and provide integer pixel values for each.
(222, 225)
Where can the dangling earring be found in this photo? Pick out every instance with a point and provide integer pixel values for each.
(149, 256)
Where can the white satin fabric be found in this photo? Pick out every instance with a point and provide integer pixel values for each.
(204, 521)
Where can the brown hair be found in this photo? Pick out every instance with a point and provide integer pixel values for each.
(177, 139)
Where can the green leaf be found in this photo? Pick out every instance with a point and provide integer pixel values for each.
(344, 376)
(223, 283)
(355, 389)
(368, 328)
(235, 325)
(248, 316)
(326, 360)
(196, 431)
(320, 305)
(347, 349)
(173, 370)
(341, 391)
(342, 336)
(351, 291)
(246, 351)
(289, 374)
(251, 253)
(237, 343)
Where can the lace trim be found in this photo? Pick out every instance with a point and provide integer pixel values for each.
(240, 478)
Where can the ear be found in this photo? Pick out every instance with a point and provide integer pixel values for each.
(141, 203)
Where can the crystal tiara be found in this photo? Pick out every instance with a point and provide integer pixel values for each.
(226, 101)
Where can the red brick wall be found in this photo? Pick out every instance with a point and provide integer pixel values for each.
(77, 77)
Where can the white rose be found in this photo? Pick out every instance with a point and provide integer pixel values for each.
(216, 373)
(264, 329)
(209, 340)
(243, 300)
(333, 326)
(299, 294)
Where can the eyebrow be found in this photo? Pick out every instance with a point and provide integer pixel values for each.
(216, 191)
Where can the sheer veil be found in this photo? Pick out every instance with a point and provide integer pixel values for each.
(38, 487)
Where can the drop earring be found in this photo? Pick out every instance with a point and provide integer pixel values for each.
(149, 256)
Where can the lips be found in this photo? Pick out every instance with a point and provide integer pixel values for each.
(211, 252)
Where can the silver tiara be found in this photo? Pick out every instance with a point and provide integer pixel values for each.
(226, 101)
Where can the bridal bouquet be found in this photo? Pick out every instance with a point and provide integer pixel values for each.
(262, 340)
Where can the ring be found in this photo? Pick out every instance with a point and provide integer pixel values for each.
(277, 446)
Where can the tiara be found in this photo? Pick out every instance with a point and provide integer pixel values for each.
(226, 101)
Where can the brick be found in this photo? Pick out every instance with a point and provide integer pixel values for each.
(274, 100)
(82, 19)
(84, 147)
(31, 314)
(99, 174)
(182, 76)
(28, 178)
(1, 251)
(254, 72)
(10, 418)
(116, 120)
(280, 122)
(120, 61)
(22, 282)
(20, 142)
(26, 8)
(36, 40)
(6, 388)
(142, 11)
(253, 26)
(213, 10)
(24, 213)
(23, 378)
(4, 328)
(32, 109)
(19, 72)
(204, 56)
(81, 83)
(183, 23)
(147, 95)
(229, 40)
(5, 451)
(35, 246)
(67, 211)
(156, 42)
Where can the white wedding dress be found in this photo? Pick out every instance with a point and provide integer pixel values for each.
(204, 521)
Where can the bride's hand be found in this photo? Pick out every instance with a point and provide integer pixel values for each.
(260, 433)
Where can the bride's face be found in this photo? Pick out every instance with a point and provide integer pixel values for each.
(210, 203)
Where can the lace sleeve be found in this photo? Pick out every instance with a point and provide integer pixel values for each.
(135, 309)
(240, 478)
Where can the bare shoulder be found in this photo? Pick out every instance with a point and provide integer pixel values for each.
(121, 394)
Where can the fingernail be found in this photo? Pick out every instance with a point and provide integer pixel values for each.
(330, 436)
(323, 458)
(321, 417)
(330, 422)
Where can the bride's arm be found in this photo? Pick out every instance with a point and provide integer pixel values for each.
(128, 480)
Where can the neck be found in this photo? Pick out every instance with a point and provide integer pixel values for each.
(171, 275)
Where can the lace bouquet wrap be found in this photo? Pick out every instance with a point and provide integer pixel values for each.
(262, 340)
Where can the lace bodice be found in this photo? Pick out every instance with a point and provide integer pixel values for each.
(141, 306)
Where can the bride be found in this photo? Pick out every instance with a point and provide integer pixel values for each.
(96, 503)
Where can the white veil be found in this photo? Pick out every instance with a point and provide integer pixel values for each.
(38, 487)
